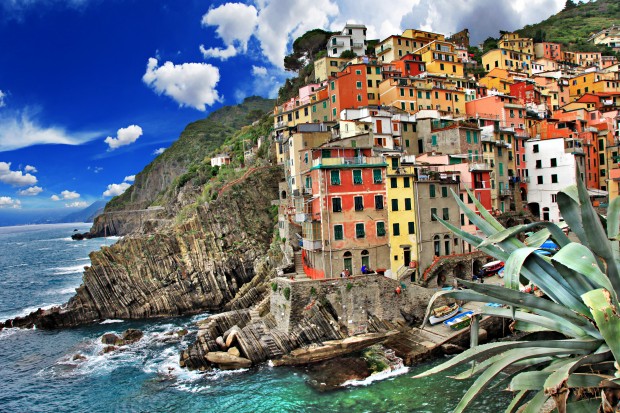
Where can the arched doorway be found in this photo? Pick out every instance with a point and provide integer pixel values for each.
(436, 245)
(460, 271)
(283, 195)
(348, 261)
(442, 277)
(523, 194)
(365, 259)
(534, 208)
(446, 241)
(476, 266)
(545, 214)
(510, 222)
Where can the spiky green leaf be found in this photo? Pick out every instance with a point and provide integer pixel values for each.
(605, 314)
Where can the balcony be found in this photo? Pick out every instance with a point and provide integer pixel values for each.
(348, 162)
(280, 125)
(505, 192)
(311, 245)
(299, 218)
(479, 166)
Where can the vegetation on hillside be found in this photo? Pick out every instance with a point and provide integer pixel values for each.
(572, 355)
(575, 23)
(201, 139)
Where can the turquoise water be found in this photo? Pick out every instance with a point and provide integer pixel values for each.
(37, 373)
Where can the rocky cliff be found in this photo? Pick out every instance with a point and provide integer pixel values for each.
(195, 266)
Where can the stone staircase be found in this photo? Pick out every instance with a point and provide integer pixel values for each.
(299, 267)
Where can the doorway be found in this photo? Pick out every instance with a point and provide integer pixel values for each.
(348, 262)
(407, 255)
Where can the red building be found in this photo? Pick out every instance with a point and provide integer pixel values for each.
(346, 224)
(525, 92)
(348, 89)
(409, 65)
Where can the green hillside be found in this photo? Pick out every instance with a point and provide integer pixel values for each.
(575, 24)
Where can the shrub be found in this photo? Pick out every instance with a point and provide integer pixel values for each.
(274, 286)
(287, 293)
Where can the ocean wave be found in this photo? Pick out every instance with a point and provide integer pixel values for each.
(111, 321)
(385, 374)
(8, 332)
(62, 291)
(75, 269)
(15, 266)
(83, 259)
(26, 311)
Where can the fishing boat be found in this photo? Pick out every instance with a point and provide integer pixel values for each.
(443, 313)
(459, 321)
(492, 268)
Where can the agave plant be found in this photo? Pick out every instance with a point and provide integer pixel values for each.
(579, 368)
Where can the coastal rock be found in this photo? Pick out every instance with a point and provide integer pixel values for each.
(234, 351)
(182, 332)
(132, 335)
(450, 349)
(331, 374)
(199, 265)
(226, 361)
(111, 339)
(109, 349)
(221, 344)
(78, 357)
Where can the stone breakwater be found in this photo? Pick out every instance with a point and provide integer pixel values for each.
(197, 266)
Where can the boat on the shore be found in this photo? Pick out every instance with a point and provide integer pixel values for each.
(492, 268)
(443, 313)
(460, 320)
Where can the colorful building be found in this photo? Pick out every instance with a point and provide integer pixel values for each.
(351, 38)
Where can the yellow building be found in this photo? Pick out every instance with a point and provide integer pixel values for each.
(512, 41)
(593, 82)
(327, 66)
(441, 58)
(395, 47)
(424, 92)
(507, 59)
(497, 79)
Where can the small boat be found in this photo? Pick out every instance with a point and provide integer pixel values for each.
(443, 313)
(492, 268)
(459, 321)
(500, 273)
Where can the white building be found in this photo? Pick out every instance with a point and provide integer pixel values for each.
(220, 160)
(352, 37)
(385, 125)
(551, 167)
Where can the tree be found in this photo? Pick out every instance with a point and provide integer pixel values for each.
(305, 48)
(348, 54)
(570, 4)
(581, 285)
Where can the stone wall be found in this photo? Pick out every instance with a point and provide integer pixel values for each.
(353, 301)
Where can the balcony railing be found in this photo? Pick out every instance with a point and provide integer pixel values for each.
(479, 166)
(505, 192)
(345, 161)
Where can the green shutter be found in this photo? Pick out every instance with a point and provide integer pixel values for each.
(475, 137)
(501, 169)
(380, 229)
(335, 177)
(359, 230)
(446, 214)
(338, 232)
(444, 191)
(431, 190)
(468, 135)
(434, 140)
(376, 176)
(357, 176)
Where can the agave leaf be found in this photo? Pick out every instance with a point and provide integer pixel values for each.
(584, 406)
(603, 367)
(512, 269)
(568, 203)
(538, 238)
(557, 380)
(510, 357)
(484, 213)
(613, 219)
(535, 405)
(531, 302)
(576, 280)
(584, 380)
(485, 226)
(492, 250)
(529, 380)
(526, 327)
(477, 368)
(516, 401)
(606, 316)
(579, 258)
(490, 349)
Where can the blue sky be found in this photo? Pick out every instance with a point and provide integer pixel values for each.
(91, 89)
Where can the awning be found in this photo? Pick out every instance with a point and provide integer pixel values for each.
(597, 193)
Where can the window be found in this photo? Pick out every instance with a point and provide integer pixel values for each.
(393, 182)
(394, 204)
(446, 240)
(444, 191)
(333, 98)
(431, 190)
(446, 214)
(357, 177)
(540, 180)
(436, 245)
(462, 219)
(359, 230)
(434, 140)
(378, 201)
(538, 164)
(335, 177)
(407, 204)
(501, 169)
(359, 203)
(377, 177)
(433, 214)
(468, 136)
(338, 232)
(358, 72)
(337, 204)
(411, 227)
(554, 179)
(395, 229)
(406, 182)
(535, 148)
(394, 165)
(554, 198)
(380, 229)
(358, 85)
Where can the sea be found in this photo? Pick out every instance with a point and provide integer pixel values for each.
(41, 266)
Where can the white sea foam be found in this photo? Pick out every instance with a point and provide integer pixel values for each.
(111, 321)
(62, 291)
(8, 332)
(385, 374)
(26, 311)
(75, 269)
(16, 266)
(83, 259)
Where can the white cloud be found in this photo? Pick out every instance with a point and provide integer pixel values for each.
(8, 202)
(218, 53)
(32, 191)
(2, 96)
(30, 168)
(259, 70)
(124, 136)
(15, 178)
(189, 84)
(130, 178)
(235, 23)
(65, 195)
(18, 130)
(159, 151)
(116, 189)
(77, 204)
(95, 169)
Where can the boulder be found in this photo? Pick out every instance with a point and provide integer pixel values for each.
(220, 343)
(109, 349)
(234, 351)
(182, 332)
(232, 336)
(111, 339)
(78, 357)
(132, 335)
(450, 349)
(227, 361)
